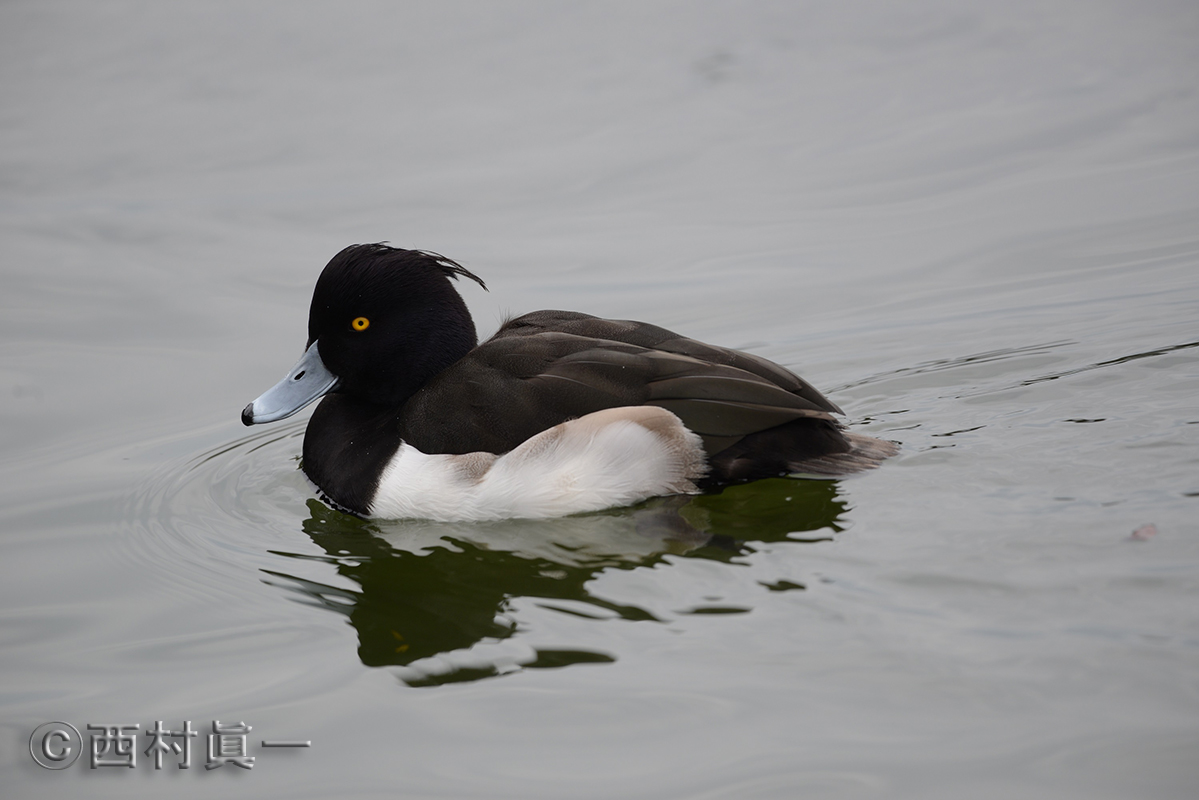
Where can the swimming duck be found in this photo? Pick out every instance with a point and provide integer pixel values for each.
(557, 413)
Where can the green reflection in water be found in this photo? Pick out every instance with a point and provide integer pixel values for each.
(428, 589)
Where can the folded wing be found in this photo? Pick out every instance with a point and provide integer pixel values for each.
(550, 366)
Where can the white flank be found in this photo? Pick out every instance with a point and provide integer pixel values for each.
(613, 457)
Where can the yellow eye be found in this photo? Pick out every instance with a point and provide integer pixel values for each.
(360, 323)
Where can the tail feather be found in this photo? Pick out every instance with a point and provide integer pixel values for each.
(866, 452)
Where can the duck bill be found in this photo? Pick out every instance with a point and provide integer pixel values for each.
(308, 380)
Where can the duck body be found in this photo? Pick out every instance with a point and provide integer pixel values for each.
(558, 412)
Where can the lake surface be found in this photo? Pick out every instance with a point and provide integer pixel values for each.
(974, 226)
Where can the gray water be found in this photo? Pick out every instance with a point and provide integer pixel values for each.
(974, 226)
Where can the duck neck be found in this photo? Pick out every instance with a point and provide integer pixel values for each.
(440, 354)
(439, 337)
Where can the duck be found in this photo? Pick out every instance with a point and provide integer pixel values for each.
(557, 413)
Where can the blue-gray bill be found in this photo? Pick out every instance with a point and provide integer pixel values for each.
(307, 380)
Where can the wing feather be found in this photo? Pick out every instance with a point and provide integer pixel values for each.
(547, 367)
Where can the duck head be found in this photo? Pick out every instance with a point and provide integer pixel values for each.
(383, 321)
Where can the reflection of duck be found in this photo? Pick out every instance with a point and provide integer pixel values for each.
(427, 590)
(557, 413)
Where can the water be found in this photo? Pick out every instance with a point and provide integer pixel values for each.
(973, 227)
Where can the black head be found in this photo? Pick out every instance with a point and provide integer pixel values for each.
(388, 320)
